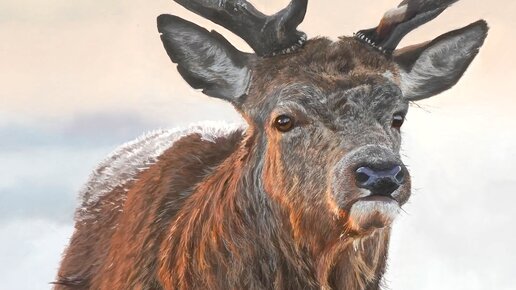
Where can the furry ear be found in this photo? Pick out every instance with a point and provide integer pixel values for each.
(206, 60)
(431, 68)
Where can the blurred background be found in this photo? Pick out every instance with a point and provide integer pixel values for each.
(78, 78)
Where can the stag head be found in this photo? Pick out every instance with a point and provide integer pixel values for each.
(324, 117)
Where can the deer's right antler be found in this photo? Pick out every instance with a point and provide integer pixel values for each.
(267, 35)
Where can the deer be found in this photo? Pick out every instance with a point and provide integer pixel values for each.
(303, 195)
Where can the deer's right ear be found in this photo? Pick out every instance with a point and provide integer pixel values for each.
(206, 60)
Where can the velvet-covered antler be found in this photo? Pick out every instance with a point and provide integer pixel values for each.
(267, 35)
(398, 22)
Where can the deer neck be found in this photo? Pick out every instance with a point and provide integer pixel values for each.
(231, 230)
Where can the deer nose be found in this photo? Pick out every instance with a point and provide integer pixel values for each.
(380, 182)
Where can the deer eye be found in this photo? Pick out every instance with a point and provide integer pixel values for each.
(284, 123)
(397, 121)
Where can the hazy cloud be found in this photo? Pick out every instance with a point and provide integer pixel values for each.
(44, 182)
(91, 129)
(31, 250)
(46, 201)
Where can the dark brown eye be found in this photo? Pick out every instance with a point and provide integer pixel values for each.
(397, 121)
(284, 123)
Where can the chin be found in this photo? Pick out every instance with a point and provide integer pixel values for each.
(373, 213)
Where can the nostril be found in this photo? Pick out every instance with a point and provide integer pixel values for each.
(384, 186)
(400, 177)
(362, 177)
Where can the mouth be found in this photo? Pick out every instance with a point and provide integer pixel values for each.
(379, 198)
(373, 211)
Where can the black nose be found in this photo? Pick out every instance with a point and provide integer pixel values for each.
(380, 182)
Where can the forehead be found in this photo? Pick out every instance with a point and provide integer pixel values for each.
(323, 64)
(321, 71)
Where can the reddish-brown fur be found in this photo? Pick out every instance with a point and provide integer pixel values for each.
(185, 228)
(148, 248)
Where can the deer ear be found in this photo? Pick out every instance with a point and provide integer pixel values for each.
(431, 68)
(206, 60)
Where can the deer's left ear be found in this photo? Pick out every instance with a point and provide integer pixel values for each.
(206, 60)
(429, 69)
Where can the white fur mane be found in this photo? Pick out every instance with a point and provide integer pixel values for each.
(126, 162)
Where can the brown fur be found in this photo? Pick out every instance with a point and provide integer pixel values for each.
(119, 250)
(174, 234)
(192, 222)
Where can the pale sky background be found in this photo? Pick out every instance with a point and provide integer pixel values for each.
(78, 78)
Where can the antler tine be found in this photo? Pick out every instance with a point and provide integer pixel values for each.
(267, 35)
(398, 22)
(294, 13)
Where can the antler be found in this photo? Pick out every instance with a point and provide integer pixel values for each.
(398, 22)
(267, 35)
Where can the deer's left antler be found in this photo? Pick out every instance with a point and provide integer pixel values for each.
(267, 35)
(399, 21)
